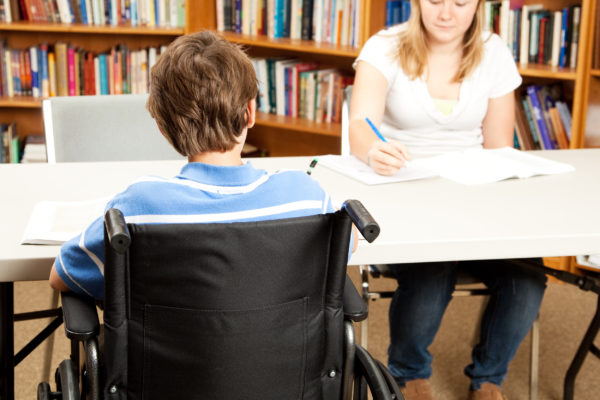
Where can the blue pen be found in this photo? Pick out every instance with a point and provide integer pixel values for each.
(379, 135)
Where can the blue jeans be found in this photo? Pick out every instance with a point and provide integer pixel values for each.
(424, 291)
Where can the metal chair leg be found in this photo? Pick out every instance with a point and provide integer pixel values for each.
(49, 347)
(535, 359)
(364, 325)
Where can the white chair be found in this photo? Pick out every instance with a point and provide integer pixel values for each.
(466, 284)
(103, 128)
(100, 128)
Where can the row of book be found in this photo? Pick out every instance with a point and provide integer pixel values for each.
(9, 143)
(65, 70)
(14, 150)
(537, 35)
(300, 89)
(330, 21)
(163, 13)
(396, 12)
(543, 119)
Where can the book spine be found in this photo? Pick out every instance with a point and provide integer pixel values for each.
(35, 82)
(103, 74)
(16, 73)
(563, 38)
(3, 89)
(71, 78)
(565, 117)
(575, 37)
(52, 78)
(45, 75)
(539, 117)
(10, 90)
(307, 20)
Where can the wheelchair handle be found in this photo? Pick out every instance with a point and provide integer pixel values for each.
(363, 220)
(116, 230)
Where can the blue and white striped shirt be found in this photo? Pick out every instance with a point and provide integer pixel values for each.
(200, 193)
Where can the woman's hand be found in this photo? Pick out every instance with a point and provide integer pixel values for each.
(386, 158)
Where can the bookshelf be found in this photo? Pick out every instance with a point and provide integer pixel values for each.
(288, 135)
(282, 135)
(27, 111)
(592, 124)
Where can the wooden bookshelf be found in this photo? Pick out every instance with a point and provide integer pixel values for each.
(285, 135)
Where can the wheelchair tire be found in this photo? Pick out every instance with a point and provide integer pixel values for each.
(43, 391)
(67, 381)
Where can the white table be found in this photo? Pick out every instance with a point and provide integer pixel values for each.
(426, 220)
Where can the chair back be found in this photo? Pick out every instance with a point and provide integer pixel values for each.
(347, 95)
(247, 310)
(103, 128)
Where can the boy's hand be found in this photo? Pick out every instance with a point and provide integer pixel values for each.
(387, 158)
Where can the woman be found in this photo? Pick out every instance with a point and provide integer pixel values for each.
(436, 84)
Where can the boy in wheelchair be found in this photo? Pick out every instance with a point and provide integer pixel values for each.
(202, 96)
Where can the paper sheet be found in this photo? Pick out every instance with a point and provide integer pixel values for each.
(469, 167)
(54, 222)
(356, 169)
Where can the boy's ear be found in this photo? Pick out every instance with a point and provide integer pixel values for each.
(251, 113)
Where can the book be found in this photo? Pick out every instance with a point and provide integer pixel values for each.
(62, 75)
(562, 61)
(307, 20)
(574, 43)
(480, 166)
(531, 123)
(522, 128)
(468, 167)
(561, 134)
(565, 117)
(525, 31)
(52, 74)
(538, 116)
(34, 149)
(54, 222)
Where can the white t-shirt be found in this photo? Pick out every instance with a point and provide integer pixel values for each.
(411, 116)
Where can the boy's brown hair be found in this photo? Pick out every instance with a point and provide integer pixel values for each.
(199, 93)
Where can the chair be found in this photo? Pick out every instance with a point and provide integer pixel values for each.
(253, 310)
(103, 128)
(466, 284)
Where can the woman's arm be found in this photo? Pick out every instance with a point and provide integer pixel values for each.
(499, 123)
(368, 101)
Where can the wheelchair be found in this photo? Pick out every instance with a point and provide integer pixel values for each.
(243, 310)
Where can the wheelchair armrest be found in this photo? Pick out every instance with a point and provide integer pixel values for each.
(81, 318)
(355, 308)
(363, 221)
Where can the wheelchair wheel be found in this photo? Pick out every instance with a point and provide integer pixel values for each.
(43, 391)
(67, 381)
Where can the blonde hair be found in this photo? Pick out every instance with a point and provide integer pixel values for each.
(412, 44)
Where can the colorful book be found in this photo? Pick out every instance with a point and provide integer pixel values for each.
(561, 134)
(71, 72)
(537, 113)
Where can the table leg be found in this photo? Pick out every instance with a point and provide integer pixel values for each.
(584, 348)
(7, 348)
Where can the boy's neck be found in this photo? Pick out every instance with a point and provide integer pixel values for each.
(224, 159)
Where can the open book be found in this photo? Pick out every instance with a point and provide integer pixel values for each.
(469, 167)
(55, 222)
